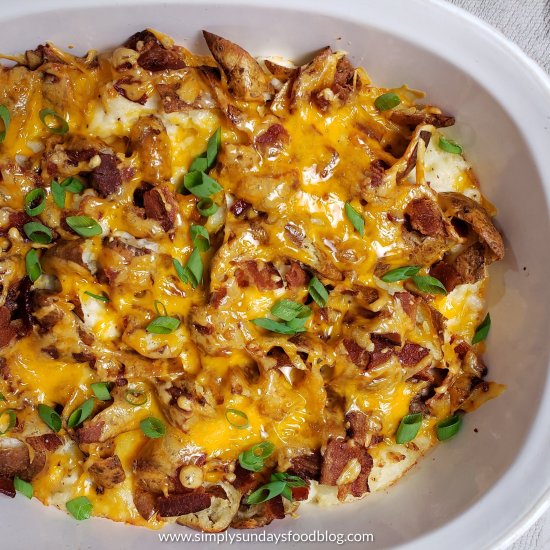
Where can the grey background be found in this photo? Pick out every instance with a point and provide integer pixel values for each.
(527, 23)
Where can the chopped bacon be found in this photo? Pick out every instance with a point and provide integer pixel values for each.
(447, 274)
(266, 278)
(414, 118)
(160, 205)
(425, 217)
(411, 354)
(245, 480)
(358, 428)
(76, 156)
(6, 487)
(272, 140)
(295, 276)
(106, 178)
(240, 207)
(375, 175)
(7, 331)
(217, 296)
(408, 303)
(383, 344)
(338, 455)
(91, 433)
(182, 504)
(45, 443)
(119, 87)
(300, 493)
(358, 355)
(307, 466)
(342, 84)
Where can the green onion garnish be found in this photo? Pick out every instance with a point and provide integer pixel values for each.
(81, 413)
(160, 308)
(84, 226)
(23, 487)
(153, 427)
(280, 484)
(205, 161)
(38, 197)
(387, 101)
(200, 237)
(408, 428)
(32, 264)
(253, 458)
(58, 194)
(80, 508)
(49, 417)
(482, 330)
(10, 421)
(101, 391)
(163, 325)
(192, 271)
(201, 184)
(58, 126)
(136, 397)
(59, 190)
(237, 419)
(355, 218)
(449, 427)
(6, 119)
(449, 146)
(288, 310)
(207, 207)
(2, 398)
(318, 292)
(100, 297)
(38, 233)
(400, 273)
(429, 285)
(276, 326)
(73, 185)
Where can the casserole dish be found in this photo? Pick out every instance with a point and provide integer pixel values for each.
(478, 469)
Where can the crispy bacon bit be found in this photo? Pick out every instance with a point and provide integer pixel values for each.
(375, 175)
(217, 296)
(462, 348)
(106, 177)
(119, 87)
(45, 442)
(6, 487)
(358, 428)
(245, 480)
(342, 84)
(300, 493)
(240, 207)
(76, 156)
(295, 277)
(358, 355)
(447, 274)
(425, 217)
(412, 118)
(411, 354)
(107, 472)
(470, 264)
(91, 433)
(160, 205)
(266, 278)
(272, 140)
(155, 57)
(408, 303)
(307, 466)
(338, 454)
(7, 331)
(182, 504)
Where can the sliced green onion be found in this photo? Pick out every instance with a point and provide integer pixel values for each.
(84, 226)
(38, 233)
(241, 420)
(32, 264)
(58, 193)
(205, 161)
(49, 417)
(136, 397)
(6, 119)
(163, 325)
(277, 326)
(81, 413)
(2, 398)
(160, 308)
(288, 310)
(23, 487)
(201, 184)
(59, 126)
(9, 419)
(80, 508)
(207, 207)
(73, 185)
(266, 492)
(253, 458)
(449, 427)
(387, 101)
(429, 285)
(200, 237)
(101, 391)
(32, 197)
(199, 164)
(290, 480)
(318, 292)
(192, 271)
(100, 297)
(355, 218)
(482, 331)
(449, 146)
(400, 273)
(408, 428)
(153, 427)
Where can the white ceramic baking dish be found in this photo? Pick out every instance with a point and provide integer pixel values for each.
(482, 488)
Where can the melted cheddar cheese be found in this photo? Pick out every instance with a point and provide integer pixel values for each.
(289, 161)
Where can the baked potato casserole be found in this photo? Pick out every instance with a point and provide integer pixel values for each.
(229, 284)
